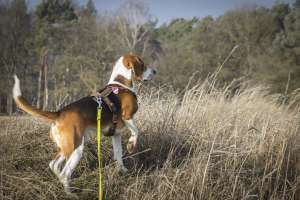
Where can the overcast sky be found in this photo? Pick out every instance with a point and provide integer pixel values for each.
(165, 10)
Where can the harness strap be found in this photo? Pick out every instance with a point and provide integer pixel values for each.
(120, 88)
(112, 107)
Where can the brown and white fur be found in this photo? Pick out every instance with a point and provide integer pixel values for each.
(69, 125)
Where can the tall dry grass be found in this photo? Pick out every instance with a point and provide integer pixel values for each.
(203, 144)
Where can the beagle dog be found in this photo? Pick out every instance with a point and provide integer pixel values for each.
(69, 124)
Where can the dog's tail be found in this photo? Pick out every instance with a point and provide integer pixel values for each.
(25, 106)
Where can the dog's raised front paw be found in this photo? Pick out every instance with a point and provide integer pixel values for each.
(131, 145)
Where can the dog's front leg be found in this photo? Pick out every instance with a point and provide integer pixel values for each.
(131, 146)
(117, 147)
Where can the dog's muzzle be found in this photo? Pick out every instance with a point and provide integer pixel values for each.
(149, 74)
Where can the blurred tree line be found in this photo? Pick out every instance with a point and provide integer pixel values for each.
(63, 51)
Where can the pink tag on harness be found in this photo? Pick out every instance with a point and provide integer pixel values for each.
(115, 90)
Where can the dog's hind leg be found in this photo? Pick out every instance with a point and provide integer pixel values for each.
(72, 162)
(55, 165)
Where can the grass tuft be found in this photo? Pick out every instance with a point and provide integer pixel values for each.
(204, 144)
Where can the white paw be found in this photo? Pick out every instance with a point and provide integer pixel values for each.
(51, 165)
(54, 169)
(72, 195)
(133, 139)
(122, 169)
(131, 145)
(66, 183)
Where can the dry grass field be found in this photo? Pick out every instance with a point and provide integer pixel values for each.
(202, 144)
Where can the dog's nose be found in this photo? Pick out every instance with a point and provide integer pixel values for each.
(154, 71)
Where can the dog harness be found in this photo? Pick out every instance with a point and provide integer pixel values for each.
(108, 95)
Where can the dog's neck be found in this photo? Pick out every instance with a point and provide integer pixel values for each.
(122, 76)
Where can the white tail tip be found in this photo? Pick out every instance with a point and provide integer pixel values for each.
(16, 88)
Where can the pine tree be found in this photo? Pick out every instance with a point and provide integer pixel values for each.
(55, 11)
(90, 8)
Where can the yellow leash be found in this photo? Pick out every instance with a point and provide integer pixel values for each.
(99, 109)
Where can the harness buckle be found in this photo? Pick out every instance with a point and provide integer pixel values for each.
(99, 101)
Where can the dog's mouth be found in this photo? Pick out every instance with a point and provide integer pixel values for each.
(148, 74)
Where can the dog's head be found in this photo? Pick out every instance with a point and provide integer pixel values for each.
(137, 66)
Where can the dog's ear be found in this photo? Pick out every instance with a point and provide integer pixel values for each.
(139, 60)
(132, 60)
(129, 61)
